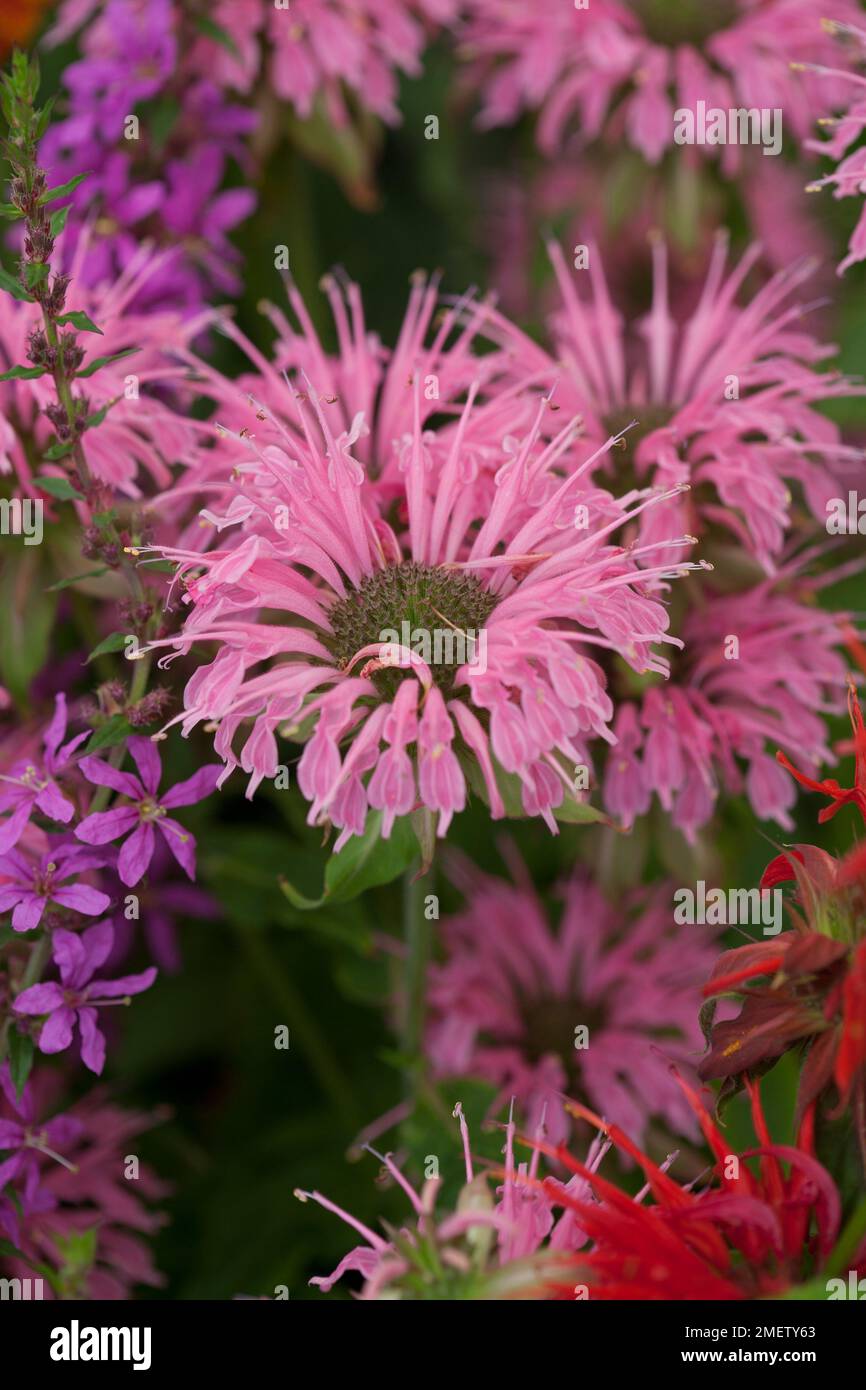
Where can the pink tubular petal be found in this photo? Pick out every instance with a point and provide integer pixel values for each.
(136, 855)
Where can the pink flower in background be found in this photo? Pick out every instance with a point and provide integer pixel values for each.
(512, 990)
(761, 670)
(621, 69)
(29, 785)
(78, 996)
(75, 1182)
(23, 1140)
(486, 553)
(28, 885)
(848, 88)
(725, 400)
(146, 810)
(324, 49)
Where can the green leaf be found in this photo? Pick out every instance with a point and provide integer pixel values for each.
(115, 643)
(60, 488)
(76, 578)
(99, 415)
(22, 374)
(79, 319)
(215, 31)
(98, 362)
(13, 287)
(114, 731)
(59, 218)
(62, 189)
(366, 861)
(35, 272)
(58, 451)
(10, 210)
(20, 1059)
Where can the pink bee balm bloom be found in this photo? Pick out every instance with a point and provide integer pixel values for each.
(524, 1253)
(438, 618)
(622, 69)
(724, 399)
(29, 786)
(760, 670)
(78, 996)
(324, 49)
(28, 885)
(513, 993)
(147, 809)
(848, 179)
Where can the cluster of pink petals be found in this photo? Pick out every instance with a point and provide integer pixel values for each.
(302, 525)
(761, 671)
(507, 971)
(521, 1222)
(143, 433)
(848, 179)
(596, 68)
(727, 396)
(323, 49)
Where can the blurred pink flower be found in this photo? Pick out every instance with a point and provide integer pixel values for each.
(512, 990)
(848, 89)
(761, 669)
(621, 69)
(323, 48)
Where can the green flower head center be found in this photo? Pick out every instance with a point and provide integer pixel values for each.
(673, 22)
(438, 614)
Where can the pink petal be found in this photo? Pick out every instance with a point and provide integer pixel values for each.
(180, 842)
(28, 912)
(147, 761)
(82, 899)
(92, 1041)
(194, 789)
(136, 854)
(39, 999)
(102, 774)
(56, 1033)
(104, 826)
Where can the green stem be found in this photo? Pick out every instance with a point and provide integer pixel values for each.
(416, 937)
(302, 1024)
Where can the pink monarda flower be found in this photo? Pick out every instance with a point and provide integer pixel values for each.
(622, 70)
(439, 618)
(848, 179)
(324, 50)
(142, 434)
(724, 400)
(491, 1247)
(760, 670)
(596, 1008)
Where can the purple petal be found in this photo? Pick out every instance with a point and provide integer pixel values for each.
(12, 829)
(56, 1032)
(92, 1041)
(16, 865)
(128, 984)
(68, 953)
(96, 944)
(82, 899)
(136, 854)
(69, 748)
(54, 804)
(195, 788)
(103, 826)
(28, 913)
(57, 728)
(10, 894)
(180, 842)
(147, 761)
(39, 999)
(8, 1170)
(11, 1134)
(76, 859)
(102, 774)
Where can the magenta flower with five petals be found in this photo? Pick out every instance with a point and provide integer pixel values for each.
(76, 997)
(28, 885)
(147, 809)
